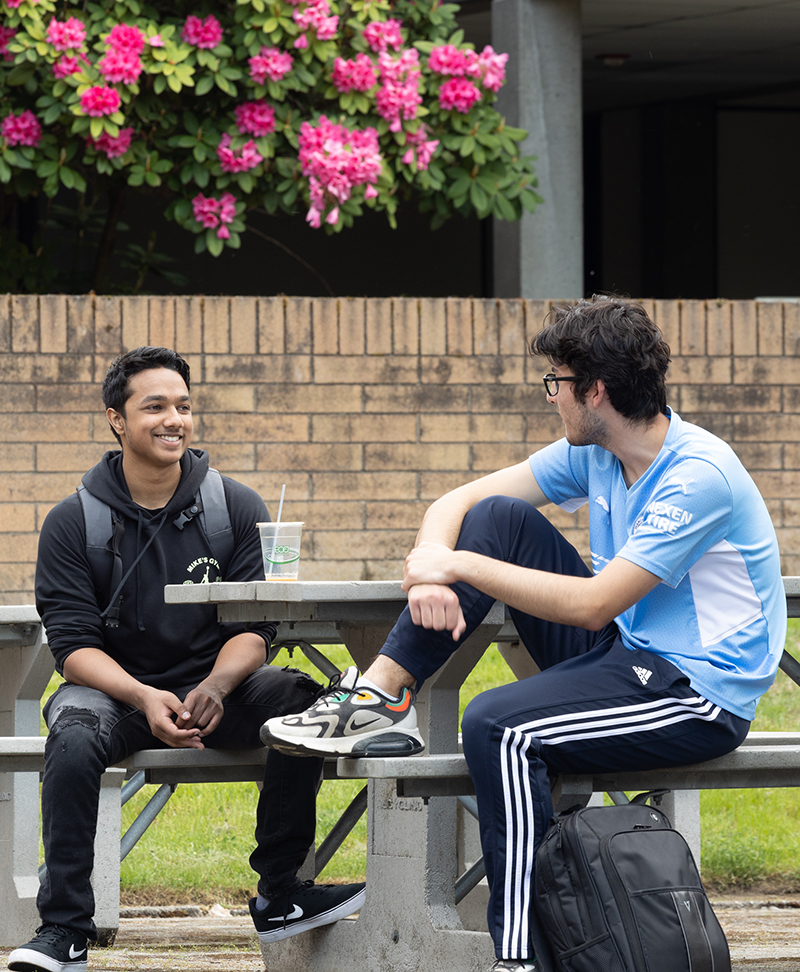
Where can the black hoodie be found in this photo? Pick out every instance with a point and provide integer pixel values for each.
(167, 646)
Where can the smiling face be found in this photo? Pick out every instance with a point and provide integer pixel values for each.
(156, 427)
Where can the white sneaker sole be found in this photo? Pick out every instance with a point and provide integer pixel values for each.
(349, 907)
(408, 742)
(29, 959)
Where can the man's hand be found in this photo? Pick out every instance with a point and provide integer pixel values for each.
(436, 606)
(203, 709)
(427, 572)
(160, 707)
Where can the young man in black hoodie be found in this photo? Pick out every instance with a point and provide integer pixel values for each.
(141, 674)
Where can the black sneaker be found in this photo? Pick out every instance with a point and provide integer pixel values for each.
(53, 949)
(309, 906)
(348, 721)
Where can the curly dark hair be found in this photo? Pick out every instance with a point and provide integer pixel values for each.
(116, 383)
(613, 339)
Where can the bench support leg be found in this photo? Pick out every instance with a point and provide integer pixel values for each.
(26, 671)
(409, 922)
(105, 876)
(683, 809)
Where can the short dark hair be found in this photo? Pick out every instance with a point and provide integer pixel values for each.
(612, 339)
(116, 383)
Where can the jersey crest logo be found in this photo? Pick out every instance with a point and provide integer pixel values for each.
(642, 673)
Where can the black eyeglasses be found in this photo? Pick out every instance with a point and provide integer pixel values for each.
(551, 383)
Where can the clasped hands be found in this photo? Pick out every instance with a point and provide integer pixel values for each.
(428, 570)
(183, 724)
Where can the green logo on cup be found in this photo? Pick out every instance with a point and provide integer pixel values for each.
(283, 555)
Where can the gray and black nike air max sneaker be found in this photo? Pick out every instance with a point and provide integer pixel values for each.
(348, 721)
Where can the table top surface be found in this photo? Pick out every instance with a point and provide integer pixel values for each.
(225, 592)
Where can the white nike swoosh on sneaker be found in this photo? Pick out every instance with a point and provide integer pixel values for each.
(296, 912)
(73, 954)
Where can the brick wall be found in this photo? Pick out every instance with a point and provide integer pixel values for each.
(366, 409)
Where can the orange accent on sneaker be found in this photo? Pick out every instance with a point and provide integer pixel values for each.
(403, 704)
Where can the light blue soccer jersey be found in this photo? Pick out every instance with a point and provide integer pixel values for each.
(697, 521)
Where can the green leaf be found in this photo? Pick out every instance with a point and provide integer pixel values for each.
(67, 177)
(46, 168)
(200, 243)
(204, 85)
(190, 122)
(530, 200)
(183, 209)
(20, 74)
(504, 208)
(5, 172)
(51, 114)
(227, 86)
(214, 243)
(246, 182)
(96, 127)
(159, 84)
(201, 175)
(152, 179)
(174, 83)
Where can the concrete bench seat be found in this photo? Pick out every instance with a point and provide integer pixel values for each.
(764, 759)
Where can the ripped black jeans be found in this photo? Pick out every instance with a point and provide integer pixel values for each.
(90, 731)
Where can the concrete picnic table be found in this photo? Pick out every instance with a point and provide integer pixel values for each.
(410, 920)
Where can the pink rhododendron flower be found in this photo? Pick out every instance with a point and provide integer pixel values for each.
(120, 65)
(336, 161)
(458, 93)
(270, 63)
(381, 35)
(212, 213)
(202, 33)
(420, 148)
(489, 68)
(316, 14)
(100, 100)
(68, 35)
(14, 3)
(66, 65)
(448, 59)
(302, 42)
(354, 75)
(327, 29)
(22, 129)
(156, 40)
(6, 33)
(124, 37)
(113, 147)
(255, 118)
(398, 97)
(248, 157)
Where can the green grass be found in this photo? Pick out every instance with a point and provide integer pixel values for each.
(198, 848)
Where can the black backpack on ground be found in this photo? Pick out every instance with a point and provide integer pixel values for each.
(617, 890)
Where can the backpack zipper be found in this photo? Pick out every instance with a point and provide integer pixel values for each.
(623, 902)
(554, 899)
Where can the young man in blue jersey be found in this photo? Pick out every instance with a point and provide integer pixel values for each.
(655, 658)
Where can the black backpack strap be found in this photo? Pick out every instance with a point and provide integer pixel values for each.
(97, 520)
(101, 526)
(215, 518)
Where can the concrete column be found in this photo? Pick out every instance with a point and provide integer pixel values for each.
(541, 256)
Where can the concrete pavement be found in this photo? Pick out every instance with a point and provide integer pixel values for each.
(764, 936)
